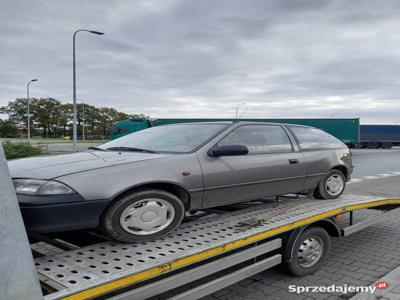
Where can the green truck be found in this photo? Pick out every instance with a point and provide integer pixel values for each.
(347, 130)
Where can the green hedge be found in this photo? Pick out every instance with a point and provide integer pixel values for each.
(12, 150)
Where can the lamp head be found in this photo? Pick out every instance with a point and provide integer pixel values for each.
(96, 32)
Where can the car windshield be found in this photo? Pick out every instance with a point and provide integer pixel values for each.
(179, 138)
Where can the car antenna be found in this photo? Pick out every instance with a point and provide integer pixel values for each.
(237, 119)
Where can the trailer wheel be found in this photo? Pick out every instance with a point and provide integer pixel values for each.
(359, 146)
(309, 252)
(372, 145)
(387, 145)
(143, 215)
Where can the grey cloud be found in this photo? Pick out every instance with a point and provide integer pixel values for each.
(177, 58)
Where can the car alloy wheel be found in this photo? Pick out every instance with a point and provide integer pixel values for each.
(334, 185)
(147, 216)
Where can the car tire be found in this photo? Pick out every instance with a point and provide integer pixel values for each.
(331, 186)
(309, 252)
(142, 216)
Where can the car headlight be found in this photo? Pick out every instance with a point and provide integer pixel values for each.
(41, 187)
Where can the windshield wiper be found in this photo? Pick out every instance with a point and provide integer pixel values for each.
(97, 148)
(131, 149)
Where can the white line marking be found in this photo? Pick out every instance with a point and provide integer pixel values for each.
(397, 173)
(385, 175)
(355, 180)
(371, 177)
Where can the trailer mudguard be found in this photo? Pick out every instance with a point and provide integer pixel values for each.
(328, 224)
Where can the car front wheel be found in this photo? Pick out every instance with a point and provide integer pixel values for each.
(332, 186)
(142, 216)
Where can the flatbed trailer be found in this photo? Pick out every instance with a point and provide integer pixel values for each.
(205, 254)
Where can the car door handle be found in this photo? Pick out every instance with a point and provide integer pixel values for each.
(293, 161)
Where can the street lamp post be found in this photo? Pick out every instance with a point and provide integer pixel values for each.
(74, 127)
(29, 109)
(83, 120)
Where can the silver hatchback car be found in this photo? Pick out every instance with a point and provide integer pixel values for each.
(138, 187)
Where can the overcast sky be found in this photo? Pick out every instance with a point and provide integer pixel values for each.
(200, 58)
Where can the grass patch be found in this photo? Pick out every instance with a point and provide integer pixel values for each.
(13, 151)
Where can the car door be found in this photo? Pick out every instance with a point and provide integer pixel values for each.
(271, 167)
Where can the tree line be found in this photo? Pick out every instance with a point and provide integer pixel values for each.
(51, 118)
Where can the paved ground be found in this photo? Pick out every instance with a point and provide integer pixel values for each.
(357, 260)
(388, 287)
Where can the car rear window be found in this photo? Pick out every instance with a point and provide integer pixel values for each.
(315, 139)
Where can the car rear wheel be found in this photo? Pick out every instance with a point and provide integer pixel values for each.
(142, 216)
(332, 186)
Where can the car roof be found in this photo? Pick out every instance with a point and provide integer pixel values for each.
(268, 123)
(237, 122)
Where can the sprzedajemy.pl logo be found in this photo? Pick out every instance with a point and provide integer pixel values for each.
(343, 289)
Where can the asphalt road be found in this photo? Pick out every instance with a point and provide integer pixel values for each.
(376, 172)
(375, 162)
(372, 165)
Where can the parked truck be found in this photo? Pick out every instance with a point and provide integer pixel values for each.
(379, 136)
(346, 130)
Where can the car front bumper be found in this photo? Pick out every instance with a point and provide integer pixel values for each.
(56, 214)
(349, 173)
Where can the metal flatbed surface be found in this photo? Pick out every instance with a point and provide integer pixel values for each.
(104, 267)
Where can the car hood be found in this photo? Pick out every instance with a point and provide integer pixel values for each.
(50, 167)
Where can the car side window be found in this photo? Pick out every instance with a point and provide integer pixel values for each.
(315, 139)
(259, 139)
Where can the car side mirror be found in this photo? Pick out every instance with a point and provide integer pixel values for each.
(229, 150)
